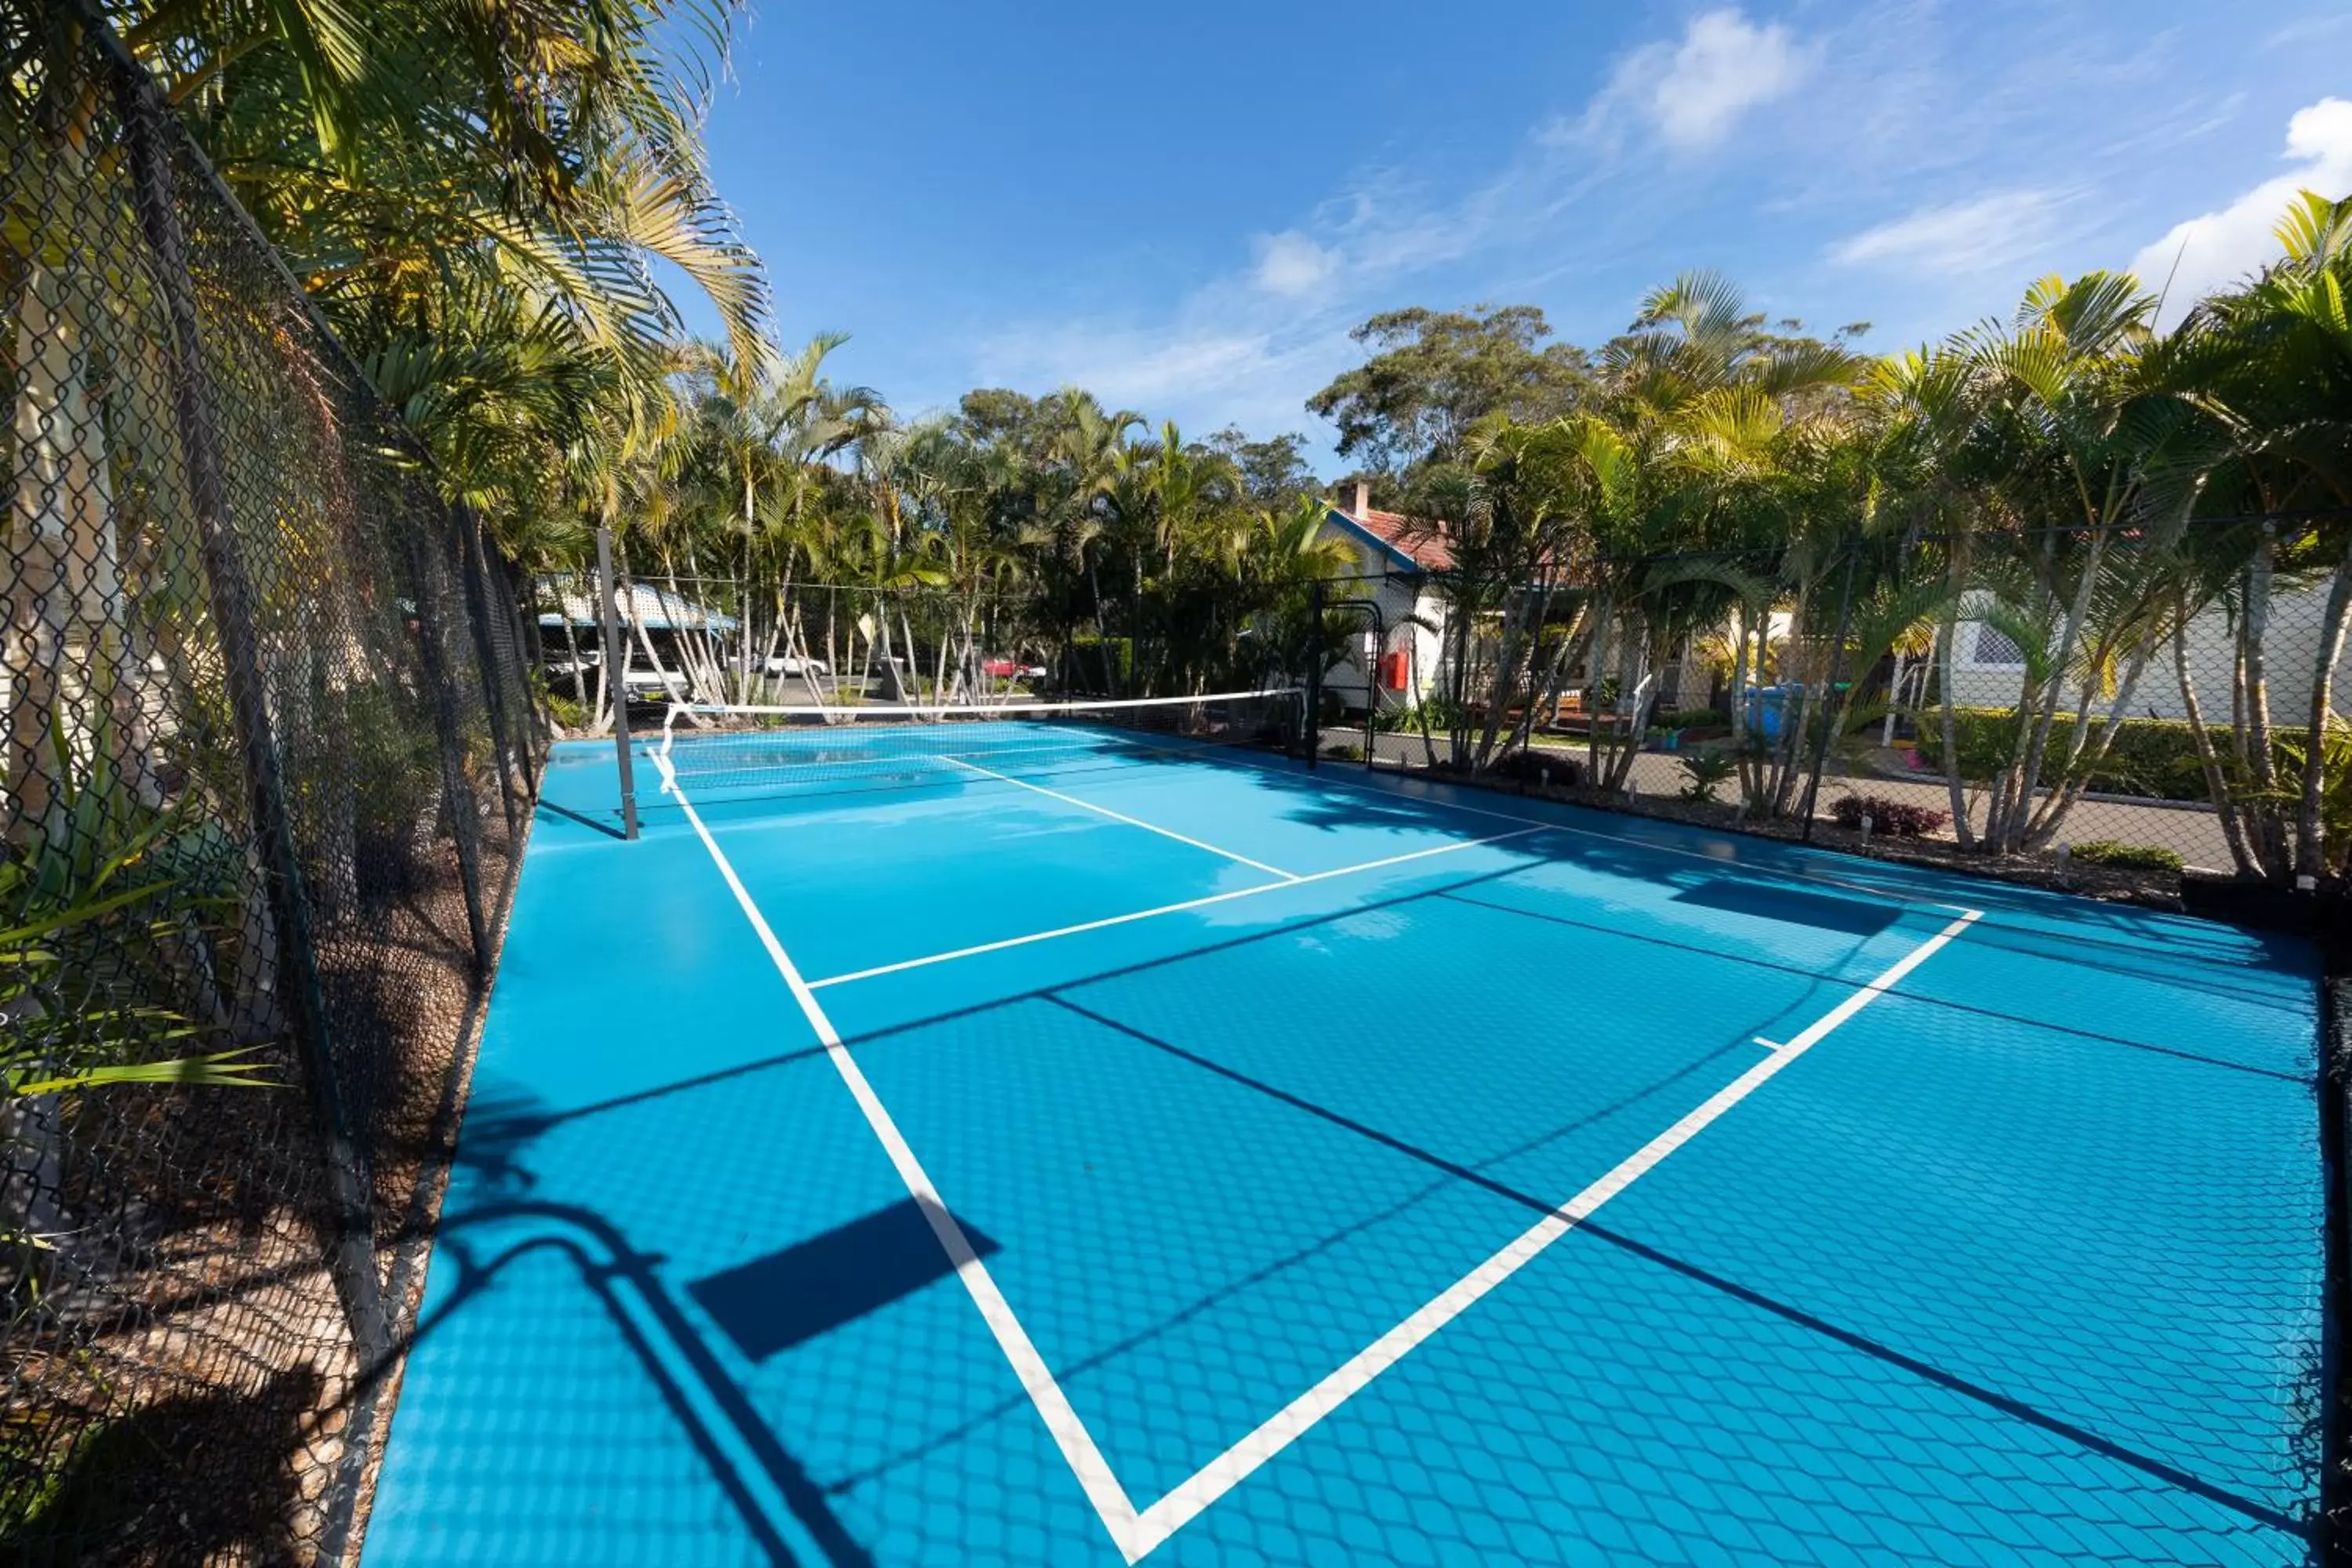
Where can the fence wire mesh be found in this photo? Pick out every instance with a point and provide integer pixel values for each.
(2112, 721)
(269, 747)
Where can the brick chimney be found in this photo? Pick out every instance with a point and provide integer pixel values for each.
(1363, 500)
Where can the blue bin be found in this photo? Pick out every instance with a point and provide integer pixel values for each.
(1761, 707)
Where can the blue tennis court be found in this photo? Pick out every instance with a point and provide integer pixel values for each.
(1084, 1150)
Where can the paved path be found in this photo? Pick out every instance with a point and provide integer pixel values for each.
(2192, 832)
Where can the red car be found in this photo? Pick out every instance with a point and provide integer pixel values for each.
(1012, 669)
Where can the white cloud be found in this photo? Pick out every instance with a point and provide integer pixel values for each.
(1960, 238)
(2217, 249)
(1290, 264)
(1198, 370)
(1693, 92)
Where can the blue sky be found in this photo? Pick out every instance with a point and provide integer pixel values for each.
(1186, 209)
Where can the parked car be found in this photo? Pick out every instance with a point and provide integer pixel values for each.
(793, 664)
(647, 685)
(1012, 669)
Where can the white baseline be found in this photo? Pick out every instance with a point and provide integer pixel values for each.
(1137, 1532)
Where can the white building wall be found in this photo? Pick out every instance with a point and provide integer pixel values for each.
(1354, 680)
(2293, 647)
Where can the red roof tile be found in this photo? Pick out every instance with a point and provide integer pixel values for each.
(1424, 544)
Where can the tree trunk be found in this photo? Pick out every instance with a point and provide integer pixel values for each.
(1739, 714)
(1949, 636)
(50, 488)
(1603, 624)
(572, 652)
(2078, 611)
(1650, 652)
(2261, 764)
(2216, 785)
(2083, 755)
(2310, 848)
(646, 641)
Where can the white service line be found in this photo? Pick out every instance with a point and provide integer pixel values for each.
(1069, 1433)
(1199, 903)
(1751, 867)
(1122, 817)
(1220, 1475)
(1135, 1533)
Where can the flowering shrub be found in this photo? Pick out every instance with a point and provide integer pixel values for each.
(1899, 817)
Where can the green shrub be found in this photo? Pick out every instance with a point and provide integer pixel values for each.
(2152, 757)
(1342, 751)
(1687, 719)
(2132, 856)
(1707, 773)
(1086, 661)
(1400, 718)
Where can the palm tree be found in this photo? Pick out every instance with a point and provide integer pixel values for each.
(473, 194)
(2271, 364)
(1091, 449)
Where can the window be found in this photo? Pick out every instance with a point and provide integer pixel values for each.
(1994, 646)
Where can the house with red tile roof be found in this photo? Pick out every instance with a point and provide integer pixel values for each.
(1394, 662)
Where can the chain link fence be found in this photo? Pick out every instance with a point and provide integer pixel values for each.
(2158, 716)
(270, 745)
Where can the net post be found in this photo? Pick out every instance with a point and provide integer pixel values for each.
(608, 619)
(1314, 718)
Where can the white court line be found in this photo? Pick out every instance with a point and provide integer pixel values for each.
(1443, 803)
(1135, 1533)
(1220, 1475)
(1069, 1433)
(1122, 817)
(1200, 903)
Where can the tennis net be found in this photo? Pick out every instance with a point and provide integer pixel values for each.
(712, 746)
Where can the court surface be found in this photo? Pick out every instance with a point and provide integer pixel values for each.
(1132, 1153)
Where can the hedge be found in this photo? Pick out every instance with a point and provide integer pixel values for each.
(2137, 857)
(2152, 757)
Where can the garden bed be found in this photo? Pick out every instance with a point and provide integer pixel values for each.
(2151, 889)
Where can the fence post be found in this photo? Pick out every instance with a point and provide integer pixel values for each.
(457, 789)
(1829, 692)
(351, 1254)
(608, 611)
(517, 593)
(474, 569)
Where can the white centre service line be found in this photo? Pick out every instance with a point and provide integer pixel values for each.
(1279, 1431)
(1200, 903)
(1138, 1534)
(1122, 817)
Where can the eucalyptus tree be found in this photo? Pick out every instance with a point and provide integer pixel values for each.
(1431, 377)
